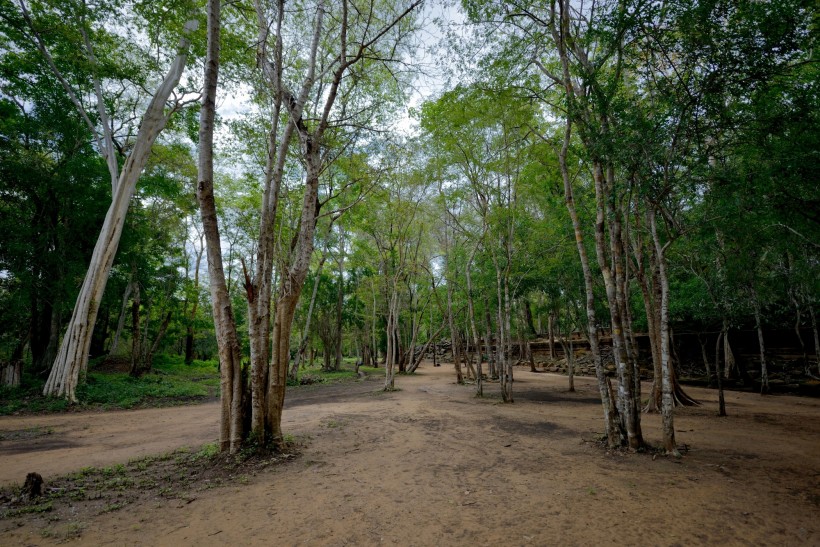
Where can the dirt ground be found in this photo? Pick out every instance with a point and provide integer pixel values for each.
(432, 465)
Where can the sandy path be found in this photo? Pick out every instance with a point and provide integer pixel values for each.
(431, 465)
(56, 444)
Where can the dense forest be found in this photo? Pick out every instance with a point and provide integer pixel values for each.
(632, 183)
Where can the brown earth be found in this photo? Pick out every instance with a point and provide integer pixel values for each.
(432, 465)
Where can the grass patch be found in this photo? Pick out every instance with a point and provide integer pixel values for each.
(171, 382)
(316, 375)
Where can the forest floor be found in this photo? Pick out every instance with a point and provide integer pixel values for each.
(432, 465)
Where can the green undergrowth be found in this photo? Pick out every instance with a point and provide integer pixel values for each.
(171, 382)
(316, 375)
(109, 386)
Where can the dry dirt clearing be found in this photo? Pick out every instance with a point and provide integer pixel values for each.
(432, 465)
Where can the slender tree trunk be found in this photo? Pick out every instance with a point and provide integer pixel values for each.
(764, 371)
(728, 355)
(189, 331)
(625, 384)
(668, 403)
(136, 338)
(550, 327)
(144, 342)
(231, 387)
(72, 357)
(528, 316)
(650, 297)
(709, 378)
(373, 334)
(300, 354)
(501, 341)
(390, 361)
(129, 287)
(630, 413)
(718, 373)
(340, 294)
(611, 420)
(415, 364)
(507, 369)
(277, 378)
(653, 334)
(454, 335)
(291, 284)
(54, 336)
(488, 341)
(530, 356)
(798, 320)
(148, 359)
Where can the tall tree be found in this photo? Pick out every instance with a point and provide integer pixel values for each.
(72, 357)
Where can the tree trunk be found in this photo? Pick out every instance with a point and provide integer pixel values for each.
(339, 305)
(454, 335)
(668, 403)
(816, 336)
(292, 282)
(764, 371)
(390, 361)
(300, 354)
(488, 341)
(43, 358)
(277, 379)
(136, 338)
(709, 378)
(507, 368)
(565, 339)
(501, 343)
(454, 346)
(718, 373)
(413, 366)
(11, 373)
(798, 320)
(147, 360)
(550, 330)
(189, 330)
(628, 405)
(611, 421)
(728, 355)
(528, 316)
(72, 357)
(231, 386)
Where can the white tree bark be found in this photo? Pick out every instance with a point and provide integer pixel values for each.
(72, 357)
(667, 399)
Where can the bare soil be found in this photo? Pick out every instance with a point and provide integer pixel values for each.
(433, 465)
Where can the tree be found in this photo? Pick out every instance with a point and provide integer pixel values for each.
(72, 357)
